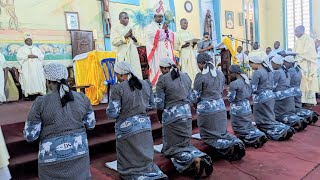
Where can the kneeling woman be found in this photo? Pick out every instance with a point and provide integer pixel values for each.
(284, 100)
(173, 89)
(211, 111)
(60, 119)
(129, 102)
(240, 109)
(263, 101)
(295, 81)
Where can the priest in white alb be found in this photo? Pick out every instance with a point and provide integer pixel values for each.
(307, 59)
(31, 78)
(159, 42)
(123, 39)
(186, 49)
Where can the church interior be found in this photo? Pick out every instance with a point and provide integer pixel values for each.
(77, 34)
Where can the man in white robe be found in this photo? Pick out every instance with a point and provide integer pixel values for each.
(31, 78)
(2, 79)
(307, 59)
(258, 52)
(126, 44)
(159, 43)
(275, 51)
(186, 50)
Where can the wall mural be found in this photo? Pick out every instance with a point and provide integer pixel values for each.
(52, 37)
(7, 6)
(51, 51)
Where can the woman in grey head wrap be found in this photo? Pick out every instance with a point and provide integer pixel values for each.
(129, 102)
(294, 72)
(240, 109)
(173, 89)
(263, 101)
(284, 101)
(211, 111)
(60, 119)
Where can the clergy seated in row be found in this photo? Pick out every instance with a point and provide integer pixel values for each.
(31, 77)
(159, 44)
(123, 39)
(186, 49)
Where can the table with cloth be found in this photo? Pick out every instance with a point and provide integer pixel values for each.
(88, 71)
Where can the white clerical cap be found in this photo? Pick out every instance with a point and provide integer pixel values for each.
(158, 7)
(27, 35)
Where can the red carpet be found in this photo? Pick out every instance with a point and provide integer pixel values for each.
(298, 158)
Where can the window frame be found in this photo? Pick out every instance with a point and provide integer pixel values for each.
(285, 20)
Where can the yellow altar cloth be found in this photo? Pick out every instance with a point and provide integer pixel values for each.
(88, 71)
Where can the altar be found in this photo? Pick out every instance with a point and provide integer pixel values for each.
(88, 71)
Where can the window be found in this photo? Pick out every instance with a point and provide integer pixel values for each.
(298, 13)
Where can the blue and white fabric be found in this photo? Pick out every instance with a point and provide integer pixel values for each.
(174, 113)
(240, 108)
(132, 125)
(63, 147)
(263, 96)
(210, 106)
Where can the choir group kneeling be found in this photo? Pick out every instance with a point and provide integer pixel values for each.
(277, 113)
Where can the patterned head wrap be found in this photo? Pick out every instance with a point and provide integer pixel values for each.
(255, 59)
(259, 60)
(166, 62)
(123, 67)
(209, 67)
(55, 72)
(277, 59)
(289, 59)
(59, 73)
(237, 69)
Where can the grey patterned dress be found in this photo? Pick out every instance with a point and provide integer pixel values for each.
(134, 142)
(296, 76)
(284, 101)
(172, 98)
(63, 148)
(212, 116)
(263, 106)
(241, 114)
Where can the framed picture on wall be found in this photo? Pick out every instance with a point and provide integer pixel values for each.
(72, 20)
(229, 19)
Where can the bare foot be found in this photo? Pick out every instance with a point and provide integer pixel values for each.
(197, 163)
